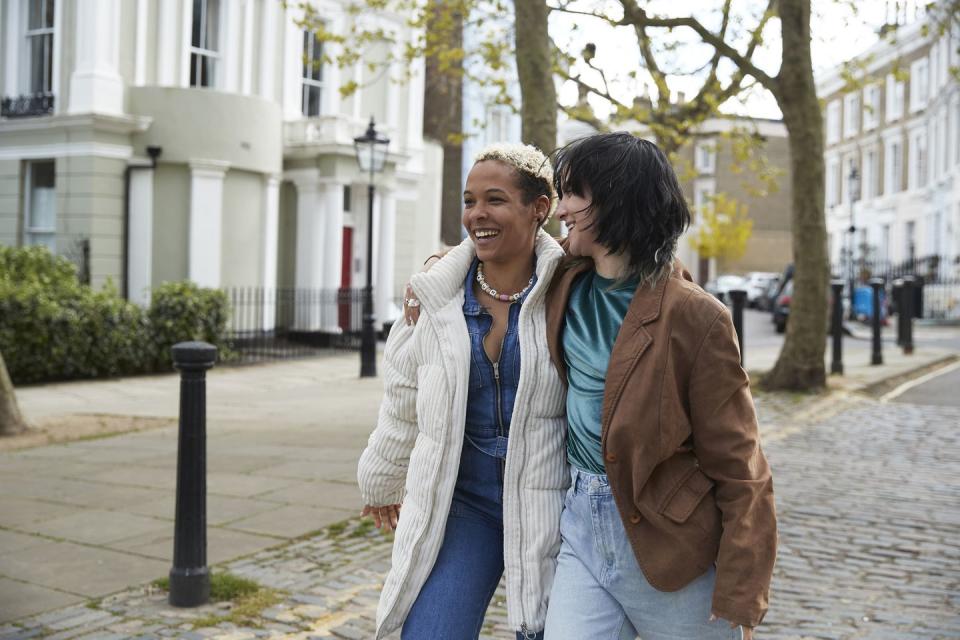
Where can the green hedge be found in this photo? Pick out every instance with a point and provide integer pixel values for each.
(54, 328)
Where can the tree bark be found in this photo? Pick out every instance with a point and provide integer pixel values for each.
(800, 365)
(443, 120)
(538, 95)
(11, 420)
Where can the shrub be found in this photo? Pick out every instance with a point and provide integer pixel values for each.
(54, 328)
(182, 311)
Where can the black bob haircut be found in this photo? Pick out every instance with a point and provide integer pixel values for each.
(637, 206)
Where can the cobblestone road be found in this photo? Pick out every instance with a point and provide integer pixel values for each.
(869, 505)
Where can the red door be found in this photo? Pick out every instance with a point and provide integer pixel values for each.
(346, 271)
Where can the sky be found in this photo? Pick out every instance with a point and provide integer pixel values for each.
(841, 29)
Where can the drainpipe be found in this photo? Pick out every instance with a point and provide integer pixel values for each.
(154, 153)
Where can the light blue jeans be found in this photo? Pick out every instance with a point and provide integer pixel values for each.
(600, 592)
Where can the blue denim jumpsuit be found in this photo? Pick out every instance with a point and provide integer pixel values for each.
(454, 599)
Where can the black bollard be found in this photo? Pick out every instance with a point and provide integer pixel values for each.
(876, 355)
(836, 327)
(189, 577)
(906, 308)
(739, 298)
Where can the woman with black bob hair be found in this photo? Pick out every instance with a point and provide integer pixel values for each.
(668, 529)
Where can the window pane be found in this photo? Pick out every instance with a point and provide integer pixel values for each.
(48, 14)
(306, 54)
(194, 70)
(35, 17)
(197, 23)
(40, 64)
(42, 214)
(212, 30)
(317, 58)
(209, 71)
(311, 100)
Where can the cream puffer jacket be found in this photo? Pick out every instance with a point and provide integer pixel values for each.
(413, 455)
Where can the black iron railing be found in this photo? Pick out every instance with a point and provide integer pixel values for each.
(284, 323)
(937, 280)
(25, 106)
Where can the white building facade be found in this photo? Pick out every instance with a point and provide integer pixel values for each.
(892, 153)
(255, 182)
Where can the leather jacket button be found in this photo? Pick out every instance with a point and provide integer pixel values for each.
(635, 518)
(611, 457)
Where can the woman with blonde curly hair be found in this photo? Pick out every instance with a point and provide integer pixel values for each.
(470, 438)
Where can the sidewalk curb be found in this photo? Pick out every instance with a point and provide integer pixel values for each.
(877, 389)
(834, 401)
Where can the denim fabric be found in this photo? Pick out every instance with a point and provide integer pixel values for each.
(482, 401)
(600, 592)
(455, 597)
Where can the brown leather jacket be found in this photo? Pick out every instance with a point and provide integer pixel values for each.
(681, 443)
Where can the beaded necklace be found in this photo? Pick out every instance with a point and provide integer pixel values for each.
(503, 297)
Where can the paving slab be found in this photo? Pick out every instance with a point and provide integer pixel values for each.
(16, 512)
(80, 569)
(20, 599)
(16, 541)
(243, 485)
(292, 521)
(222, 544)
(98, 527)
(319, 494)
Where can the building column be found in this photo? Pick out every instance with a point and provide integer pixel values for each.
(332, 253)
(385, 245)
(140, 248)
(269, 234)
(310, 238)
(267, 55)
(206, 221)
(167, 71)
(96, 85)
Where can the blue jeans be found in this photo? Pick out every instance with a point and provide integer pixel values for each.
(600, 592)
(453, 600)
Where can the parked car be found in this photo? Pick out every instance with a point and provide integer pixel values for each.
(769, 295)
(722, 286)
(781, 308)
(757, 283)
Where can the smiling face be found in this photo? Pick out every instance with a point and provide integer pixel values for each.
(501, 225)
(576, 212)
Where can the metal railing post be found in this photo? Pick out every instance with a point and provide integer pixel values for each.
(907, 311)
(190, 577)
(836, 327)
(876, 355)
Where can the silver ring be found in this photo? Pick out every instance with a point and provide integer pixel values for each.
(412, 302)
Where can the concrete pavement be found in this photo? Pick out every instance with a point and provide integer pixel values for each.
(89, 518)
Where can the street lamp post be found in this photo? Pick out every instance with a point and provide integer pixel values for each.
(371, 150)
(854, 189)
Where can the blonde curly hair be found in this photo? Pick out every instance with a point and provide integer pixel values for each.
(533, 168)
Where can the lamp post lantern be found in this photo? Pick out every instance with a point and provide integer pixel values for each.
(371, 150)
(854, 190)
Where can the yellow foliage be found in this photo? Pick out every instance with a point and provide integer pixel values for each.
(723, 229)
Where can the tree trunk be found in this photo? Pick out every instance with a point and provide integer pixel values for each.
(443, 119)
(538, 95)
(800, 366)
(11, 421)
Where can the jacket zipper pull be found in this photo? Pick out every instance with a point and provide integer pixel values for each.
(496, 370)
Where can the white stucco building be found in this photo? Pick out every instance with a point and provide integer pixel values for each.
(256, 181)
(892, 152)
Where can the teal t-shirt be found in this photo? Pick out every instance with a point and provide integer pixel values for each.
(594, 314)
